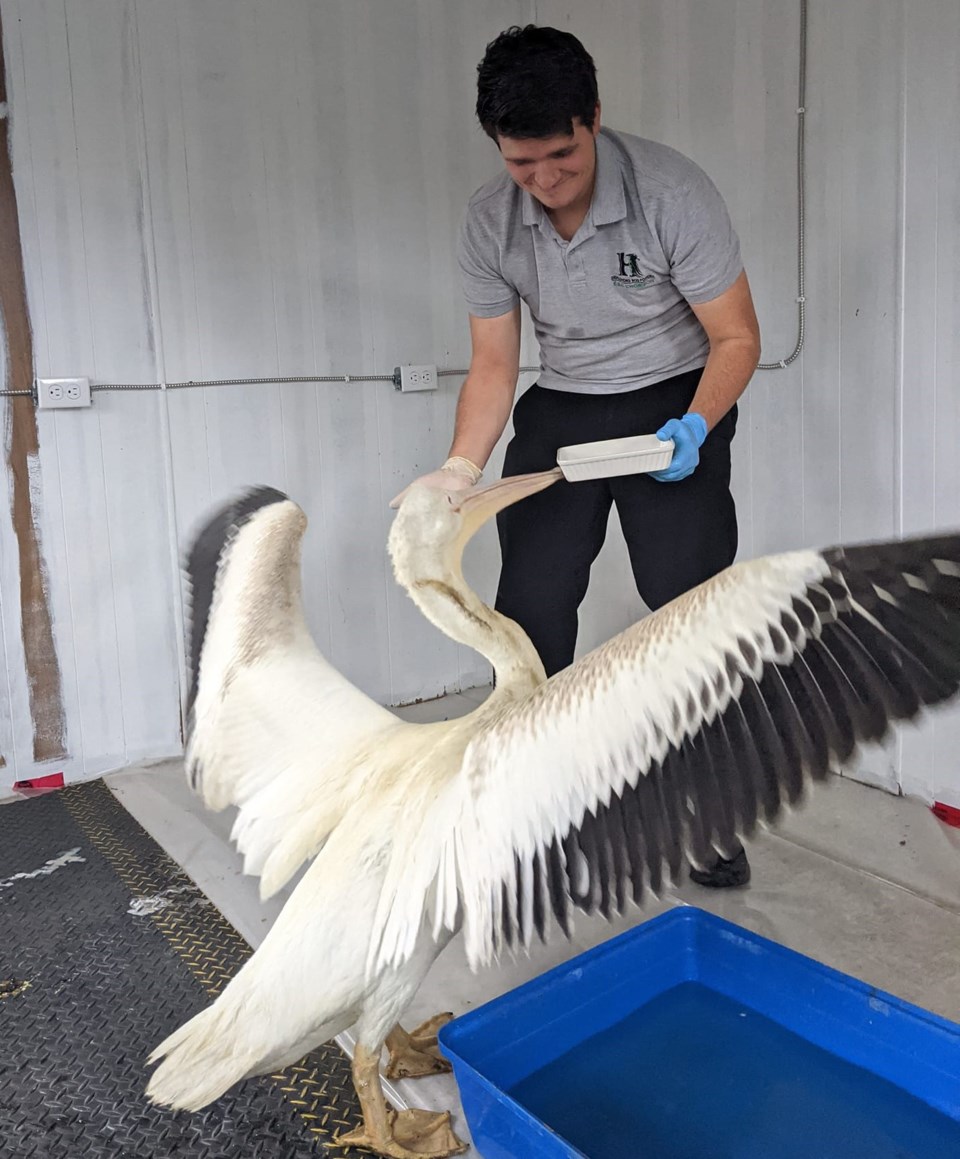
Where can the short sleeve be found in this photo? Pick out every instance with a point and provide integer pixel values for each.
(699, 240)
(486, 292)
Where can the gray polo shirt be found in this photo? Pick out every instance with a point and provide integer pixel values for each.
(610, 307)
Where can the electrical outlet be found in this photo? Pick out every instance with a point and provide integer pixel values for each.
(62, 392)
(408, 378)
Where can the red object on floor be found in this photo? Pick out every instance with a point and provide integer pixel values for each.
(949, 814)
(51, 781)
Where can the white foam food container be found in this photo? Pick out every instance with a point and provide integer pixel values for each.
(609, 457)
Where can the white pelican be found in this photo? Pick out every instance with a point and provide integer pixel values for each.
(675, 737)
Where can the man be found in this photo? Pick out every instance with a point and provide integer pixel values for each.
(625, 255)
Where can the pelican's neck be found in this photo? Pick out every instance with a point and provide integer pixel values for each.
(456, 609)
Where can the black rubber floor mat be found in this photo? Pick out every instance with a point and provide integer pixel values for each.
(106, 946)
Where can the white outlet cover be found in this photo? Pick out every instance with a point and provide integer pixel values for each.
(60, 393)
(420, 377)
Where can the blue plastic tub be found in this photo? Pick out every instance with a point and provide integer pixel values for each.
(689, 1037)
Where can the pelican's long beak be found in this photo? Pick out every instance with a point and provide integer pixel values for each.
(482, 503)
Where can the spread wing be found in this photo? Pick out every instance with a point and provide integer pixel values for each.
(675, 737)
(272, 726)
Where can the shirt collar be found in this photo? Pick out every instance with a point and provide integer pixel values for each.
(532, 209)
(609, 200)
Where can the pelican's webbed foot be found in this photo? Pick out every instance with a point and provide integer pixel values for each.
(417, 1053)
(410, 1134)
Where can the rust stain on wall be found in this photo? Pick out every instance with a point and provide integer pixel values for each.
(21, 445)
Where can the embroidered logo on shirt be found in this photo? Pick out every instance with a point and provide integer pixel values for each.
(630, 274)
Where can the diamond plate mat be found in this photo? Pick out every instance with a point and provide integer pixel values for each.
(106, 946)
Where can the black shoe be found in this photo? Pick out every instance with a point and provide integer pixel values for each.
(724, 874)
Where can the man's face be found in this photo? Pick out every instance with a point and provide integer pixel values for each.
(557, 171)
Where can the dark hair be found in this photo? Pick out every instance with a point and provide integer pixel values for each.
(533, 81)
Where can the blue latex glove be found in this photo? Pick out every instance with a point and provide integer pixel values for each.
(688, 434)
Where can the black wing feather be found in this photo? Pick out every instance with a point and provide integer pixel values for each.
(875, 641)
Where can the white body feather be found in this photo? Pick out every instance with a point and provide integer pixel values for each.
(306, 982)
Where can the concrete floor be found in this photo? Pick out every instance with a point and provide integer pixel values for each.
(864, 881)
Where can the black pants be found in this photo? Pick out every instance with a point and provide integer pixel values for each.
(677, 534)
